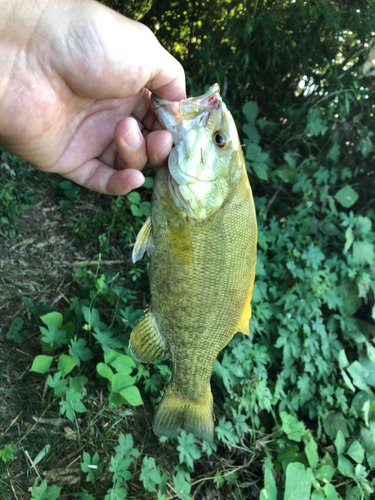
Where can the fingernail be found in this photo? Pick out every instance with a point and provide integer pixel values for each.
(133, 137)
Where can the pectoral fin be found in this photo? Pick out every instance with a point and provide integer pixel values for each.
(146, 343)
(144, 241)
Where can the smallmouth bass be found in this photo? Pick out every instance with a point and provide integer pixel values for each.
(201, 237)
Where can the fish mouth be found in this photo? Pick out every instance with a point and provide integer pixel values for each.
(171, 114)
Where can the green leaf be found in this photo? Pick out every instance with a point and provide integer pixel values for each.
(104, 371)
(188, 450)
(252, 133)
(250, 110)
(330, 492)
(315, 124)
(359, 375)
(125, 447)
(286, 173)
(363, 253)
(349, 236)
(269, 492)
(66, 364)
(41, 364)
(53, 337)
(297, 483)
(136, 210)
(345, 467)
(79, 351)
(182, 487)
(150, 475)
(343, 360)
(149, 182)
(72, 404)
(356, 452)
(134, 197)
(340, 442)
(91, 466)
(325, 473)
(7, 453)
(123, 364)
(58, 384)
(333, 422)
(41, 454)
(132, 395)
(318, 495)
(261, 170)
(311, 450)
(120, 381)
(334, 153)
(45, 492)
(55, 318)
(14, 330)
(294, 429)
(346, 196)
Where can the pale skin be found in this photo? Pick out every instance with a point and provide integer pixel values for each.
(75, 80)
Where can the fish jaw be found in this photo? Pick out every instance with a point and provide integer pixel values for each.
(201, 172)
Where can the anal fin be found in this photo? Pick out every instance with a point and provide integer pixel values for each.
(146, 343)
(144, 241)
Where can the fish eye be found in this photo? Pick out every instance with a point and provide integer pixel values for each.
(220, 139)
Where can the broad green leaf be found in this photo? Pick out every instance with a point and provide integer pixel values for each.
(359, 375)
(286, 173)
(294, 429)
(340, 442)
(120, 381)
(356, 452)
(346, 196)
(149, 182)
(255, 153)
(349, 237)
(136, 210)
(123, 364)
(58, 384)
(41, 364)
(44, 492)
(134, 197)
(330, 492)
(345, 467)
(311, 450)
(343, 360)
(297, 483)
(41, 454)
(55, 318)
(334, 153)
(104, 371)
(7, 453)
(14, 330)
(66, 364)
(333, 422)
(132, 395)
(252, 133)
(150, 475)
(325, 473)
(250, 110)
(318, 495)
(269, 492)
(362, 226)
(363, 253)
(261, 170)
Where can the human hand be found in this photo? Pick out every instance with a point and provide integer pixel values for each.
(73, 92)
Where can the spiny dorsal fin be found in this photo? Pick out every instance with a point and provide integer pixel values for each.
(144, 241)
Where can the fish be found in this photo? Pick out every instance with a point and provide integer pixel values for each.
(201, 237)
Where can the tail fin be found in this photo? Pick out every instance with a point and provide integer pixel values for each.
(176, 412)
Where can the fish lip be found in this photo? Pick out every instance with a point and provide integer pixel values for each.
(205, 102)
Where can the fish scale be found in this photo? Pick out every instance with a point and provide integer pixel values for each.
(202, 268)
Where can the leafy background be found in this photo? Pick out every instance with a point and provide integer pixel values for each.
(294, 404)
